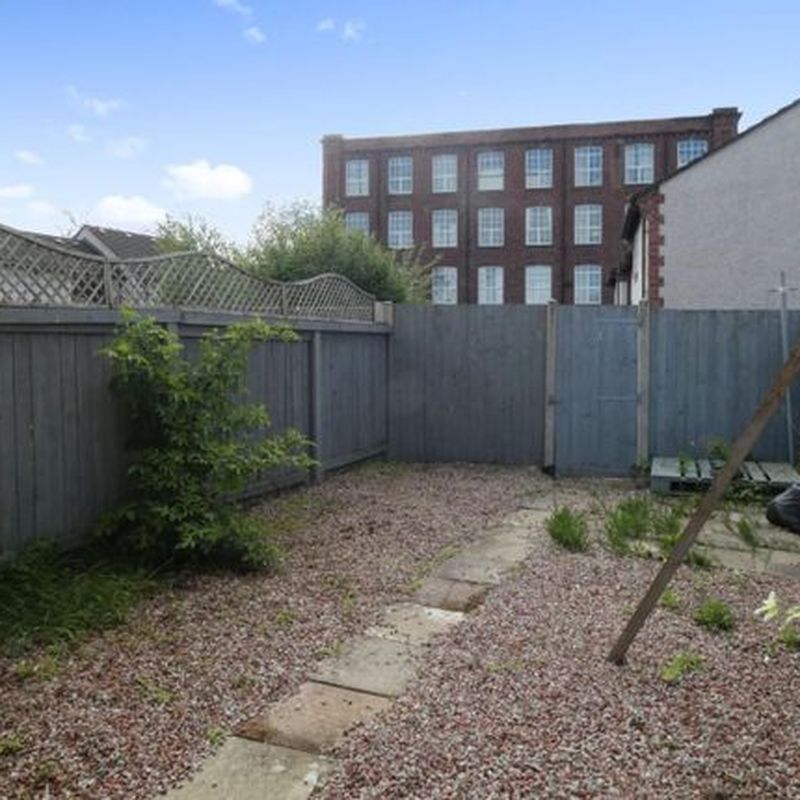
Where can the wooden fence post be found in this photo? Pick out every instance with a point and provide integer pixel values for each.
(643, 384)
(550, 398)
(318, 470)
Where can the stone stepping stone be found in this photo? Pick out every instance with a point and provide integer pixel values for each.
(451, 595)
(370, 664)
(315, 718)
(762, 559)
(489, 560)
(414, 624)
(245, 770)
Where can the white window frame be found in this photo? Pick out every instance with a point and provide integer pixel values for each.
(356, 180)
(444, 286)
(444, 173)
(697, 147)
(588, 286)
(640, 163)
(539, 168)
(444, 227)
(490, 286)
(400, 236)
(588, 219)
(400, 171)
(491, 227)
(538, 285)
(491, 170)
(589, 165)
(538, 226)
(357, 221)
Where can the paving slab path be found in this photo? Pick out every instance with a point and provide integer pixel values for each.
(276, 755)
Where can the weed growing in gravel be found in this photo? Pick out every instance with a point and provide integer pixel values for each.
(505, 665)
(43, 668)
(746, 530)
(216, 736)
(715, 615)
(47, 597)
(681, 665)
(11, 744)
(156, 694)
(670, 600)
(568, 529)
(285, 617)
(632, 519)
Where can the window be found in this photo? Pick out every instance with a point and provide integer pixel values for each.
(491, 224)
(539, 168)
(444, 286)
(401, 231)
(691, 149)
(538, 289)
(356, 178)
(357, 221)
(445, 227)
(640, 162)
(490, 286)
(491, 170)
(401, 170)
(589, 166)
(538, 225)
(444, 174)
(588, 278)
(589, 224)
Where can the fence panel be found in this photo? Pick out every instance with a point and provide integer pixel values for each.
(467, 384)
(62, 431)
(709, 371)
(596, 395)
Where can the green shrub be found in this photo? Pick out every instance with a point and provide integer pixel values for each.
(568, 529)
(194, 444)
(681, 665)
(49, 598)
(715, 615)
(631, 519)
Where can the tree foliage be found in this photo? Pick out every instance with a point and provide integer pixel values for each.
(194, 444)
(300, 241)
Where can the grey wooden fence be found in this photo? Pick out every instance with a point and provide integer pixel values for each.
(467, 383)
(581, 390)
(62, 432)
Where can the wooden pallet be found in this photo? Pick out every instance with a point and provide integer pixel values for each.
(674, 475)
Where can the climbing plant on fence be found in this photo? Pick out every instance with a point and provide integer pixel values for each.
(194, 444)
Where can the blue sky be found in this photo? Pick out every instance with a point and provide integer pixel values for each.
(115, 111)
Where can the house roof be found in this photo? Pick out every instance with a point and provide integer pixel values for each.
(70, 243)
(633, 213)
(118, 244)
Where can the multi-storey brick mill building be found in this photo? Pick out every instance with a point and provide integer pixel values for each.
(521, 215)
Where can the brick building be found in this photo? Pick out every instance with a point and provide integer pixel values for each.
(516, 215)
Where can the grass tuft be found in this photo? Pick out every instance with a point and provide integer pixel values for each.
(568, 529)
(715, 615)
(52, 598)
(681, 665)
(670, 600)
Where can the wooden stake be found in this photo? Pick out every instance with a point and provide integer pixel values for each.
(743, 445)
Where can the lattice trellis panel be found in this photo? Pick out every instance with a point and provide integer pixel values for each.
(35, 273)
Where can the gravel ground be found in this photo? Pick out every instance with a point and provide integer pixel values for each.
(133, 711)
(519, 701)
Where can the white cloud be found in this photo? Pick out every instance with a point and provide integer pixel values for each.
(353, 30)
(134, 210)
(254, 35)
(15, 191)
(235, 6)
(95, 105)
(29, 157)
(327, 24)
(200, 179)
(78, 134)
(126, 148)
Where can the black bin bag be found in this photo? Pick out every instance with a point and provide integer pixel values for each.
(784, 509)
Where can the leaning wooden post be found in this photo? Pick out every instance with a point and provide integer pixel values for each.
(742, 446)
